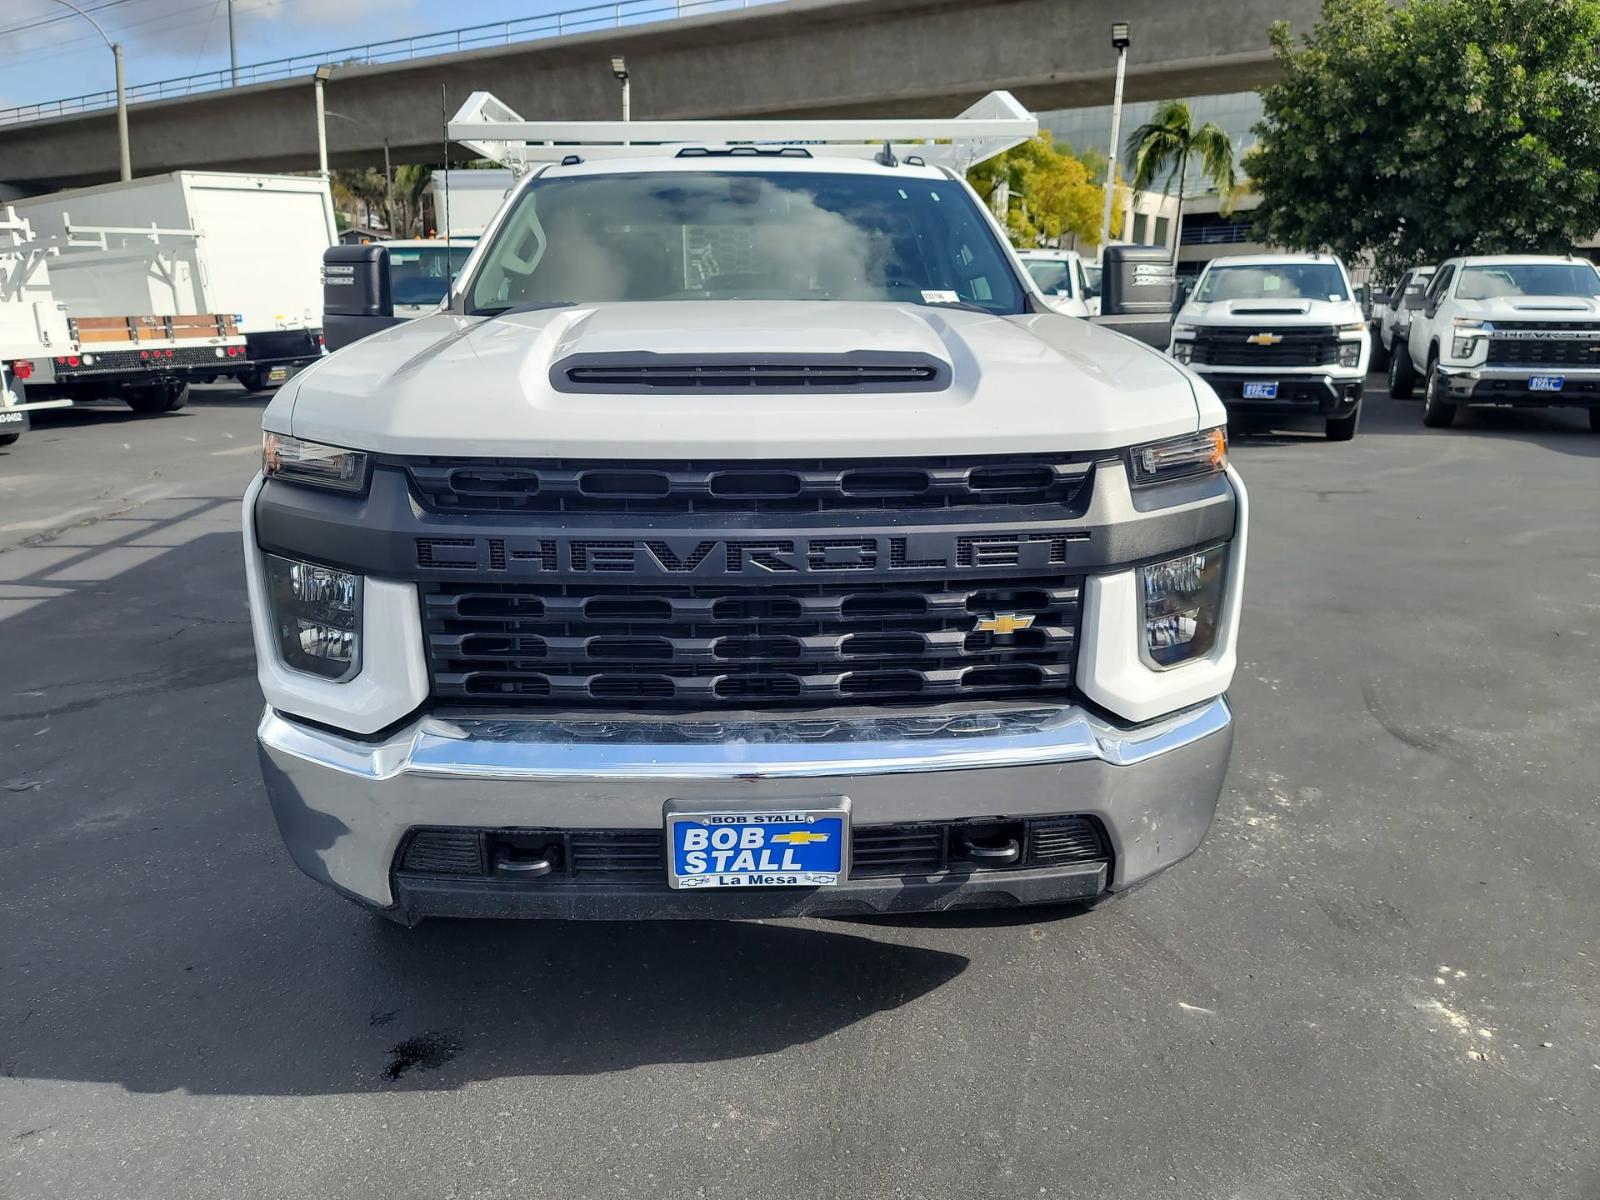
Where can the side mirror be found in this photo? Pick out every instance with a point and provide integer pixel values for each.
(1093, 293)
(1414, 301)
(1432, 307)
(356, 297)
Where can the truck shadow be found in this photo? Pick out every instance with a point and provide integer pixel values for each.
(1564, 430)
(114, 411)
(157, 937)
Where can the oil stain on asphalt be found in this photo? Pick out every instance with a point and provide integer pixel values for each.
(425, 1051)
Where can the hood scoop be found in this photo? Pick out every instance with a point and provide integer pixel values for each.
(853, 371)
(1274, 310)
(1552, 307)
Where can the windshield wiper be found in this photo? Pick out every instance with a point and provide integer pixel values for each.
(963, 305)
(506, 310)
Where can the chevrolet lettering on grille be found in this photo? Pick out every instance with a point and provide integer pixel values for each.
(723, 558)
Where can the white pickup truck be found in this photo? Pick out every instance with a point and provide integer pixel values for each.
(1280, 338)
(1062, 276)
(746, 536)
(1506, 330)
(1391, 319)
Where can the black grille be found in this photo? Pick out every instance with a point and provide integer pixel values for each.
(639, 855)
(1553, 352)
(934, 847)
(794, 486)
(706, 647)
(1297, 347)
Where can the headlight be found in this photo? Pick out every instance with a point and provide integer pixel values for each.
(284, 457)
(317, 611)
(1181, 329)
(1349, 354)
(1352, 327)
(1182, 601)
(1194, 454)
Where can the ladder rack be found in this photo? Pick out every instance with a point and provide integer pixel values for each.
(492, 130)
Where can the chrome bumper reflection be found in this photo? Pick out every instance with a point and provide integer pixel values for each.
(797, 748)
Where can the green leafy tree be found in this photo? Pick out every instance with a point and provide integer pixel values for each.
(1052, 192)
(1162, 147)
(1437, 128)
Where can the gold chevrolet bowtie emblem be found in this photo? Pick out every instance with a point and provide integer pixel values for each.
(1004, 622)
(1264, 339)
(799, 837)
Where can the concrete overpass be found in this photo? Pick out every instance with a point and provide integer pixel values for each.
(834, 57)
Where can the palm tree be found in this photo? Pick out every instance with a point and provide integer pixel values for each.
(1163, 146)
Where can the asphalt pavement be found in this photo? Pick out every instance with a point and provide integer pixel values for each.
(1379, 977)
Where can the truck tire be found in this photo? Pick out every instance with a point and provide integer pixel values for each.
(1402, 377)
(1380, 356)
(1594, 420)
(1342, 429)
(150, 399)
(1437, 412)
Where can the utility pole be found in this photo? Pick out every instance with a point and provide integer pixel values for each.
(122, 91)
(233, 48)
(1120, 40)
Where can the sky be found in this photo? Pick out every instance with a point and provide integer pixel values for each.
(48, 53)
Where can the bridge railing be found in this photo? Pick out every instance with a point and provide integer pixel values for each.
(616, 15)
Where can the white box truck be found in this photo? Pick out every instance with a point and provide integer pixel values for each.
(200, 242)
(461, 203)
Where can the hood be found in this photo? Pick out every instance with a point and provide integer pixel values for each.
(1531, 308)
(1272, 312)
(453, 385)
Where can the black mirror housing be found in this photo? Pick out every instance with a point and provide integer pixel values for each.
(356, 296)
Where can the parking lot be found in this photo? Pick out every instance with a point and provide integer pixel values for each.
(1379, 977)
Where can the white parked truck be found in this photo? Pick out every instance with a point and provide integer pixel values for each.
(461, 203)
(33, 326)
(1280, 338)
(1391, 319)
(1062, 277)
(1520, 331)
(420, 271)
(746, 537)
(245, 247)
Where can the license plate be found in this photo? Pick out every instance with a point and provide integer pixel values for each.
(783, 844)
(1547, 383)
(277, 374)
(1261, 391)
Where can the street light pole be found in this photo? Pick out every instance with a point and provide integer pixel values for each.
(233, 49)
(1120, 40)
(619, 68)
(321, 77)
(122, 91)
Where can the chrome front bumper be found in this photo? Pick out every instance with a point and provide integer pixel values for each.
(344, 806)
(1509, 385)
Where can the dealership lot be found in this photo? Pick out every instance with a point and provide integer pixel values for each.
(1378, 977)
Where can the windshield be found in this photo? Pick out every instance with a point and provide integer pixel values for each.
(1052, 275)
(421, 274)
(1092, 274)
(1528, 279)
(780, 235)
(1275, 281)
